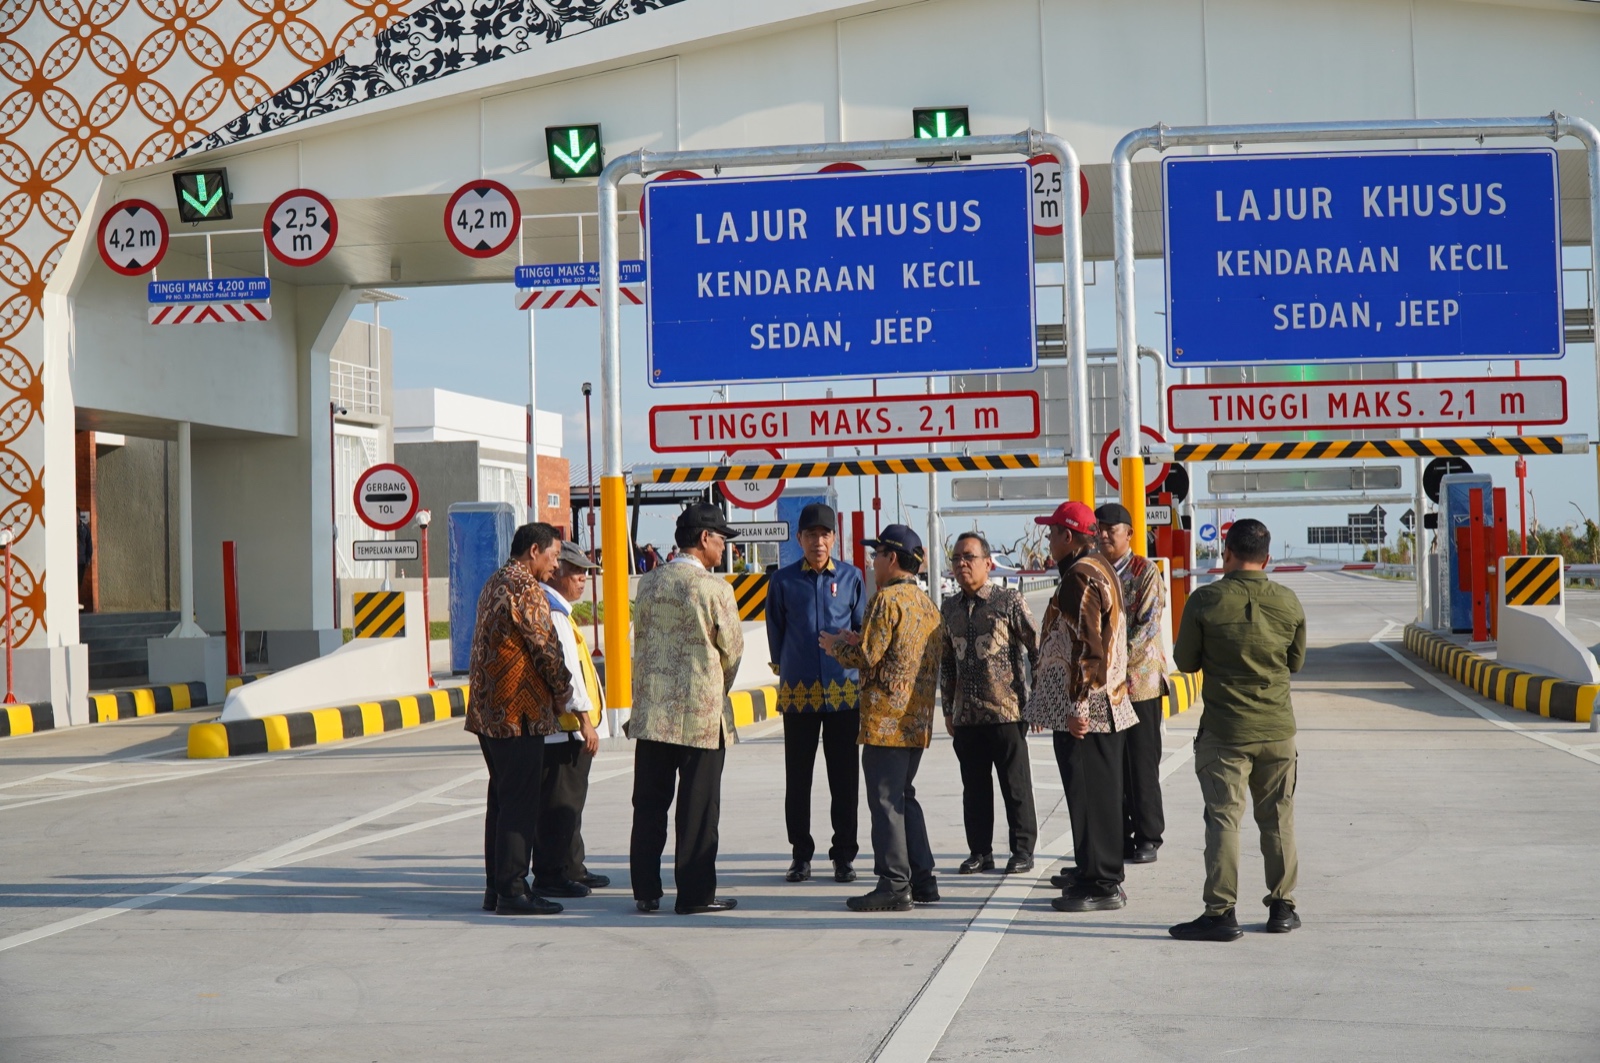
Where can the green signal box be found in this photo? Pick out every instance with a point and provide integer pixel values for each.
(203, 195)
(574, 150)
(931, 122)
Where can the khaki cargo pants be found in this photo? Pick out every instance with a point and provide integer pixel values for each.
(1267, 770)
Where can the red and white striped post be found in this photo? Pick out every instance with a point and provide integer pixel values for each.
(424, 517)
(6, 535)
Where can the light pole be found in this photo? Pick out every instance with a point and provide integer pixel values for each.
(424, 518)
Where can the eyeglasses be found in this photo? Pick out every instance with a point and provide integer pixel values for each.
(967, 559)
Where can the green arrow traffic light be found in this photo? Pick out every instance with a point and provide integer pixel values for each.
(938, 122)
(574, 150)
(203, 195)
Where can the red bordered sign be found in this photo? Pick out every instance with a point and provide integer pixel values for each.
(1048, 200)
(482, 219)
(300, 227)
(1111, 454)
(132, 237)
(386, 497)
(751, 494)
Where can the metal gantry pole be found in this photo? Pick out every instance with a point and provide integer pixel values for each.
(1162, 137)
(613, 491)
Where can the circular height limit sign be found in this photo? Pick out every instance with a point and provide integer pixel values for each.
(1111, 457)
(751, 494)
(482, 219)
(386, 497)
(133, 237)
(300, 227)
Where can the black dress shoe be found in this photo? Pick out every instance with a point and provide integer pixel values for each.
(925, 892)
(1085, 899)
(1223, 927)
(1281, 918)
(1065, 880)
(1142, 853)
(720, 904)
(490, 899)
(799, 871)
(843, 871)
(523, 904)
(594, 881)
(566, 888)
(975, 863)
(652, 905)
(881, 901)
(1019, 864)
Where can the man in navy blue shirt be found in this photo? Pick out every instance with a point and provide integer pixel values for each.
(816, 694)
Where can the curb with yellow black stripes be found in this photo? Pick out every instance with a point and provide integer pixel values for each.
(292, 730)
(116, 705)
(26, 719)
(1559, 699)
(753, 706)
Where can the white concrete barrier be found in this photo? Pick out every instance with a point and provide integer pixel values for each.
(1534, 637)
(360, 670)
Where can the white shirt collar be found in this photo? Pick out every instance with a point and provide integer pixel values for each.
(689, 559)
(557, 599)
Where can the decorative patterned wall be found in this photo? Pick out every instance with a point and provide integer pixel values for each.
(92, 87)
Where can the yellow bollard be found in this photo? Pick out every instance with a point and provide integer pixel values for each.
(1080, 482)
(615, 562)
(1133, 499)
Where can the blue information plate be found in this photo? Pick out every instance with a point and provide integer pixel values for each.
(1397, 256)
(840, 276)
(575, 274)
(216, 290)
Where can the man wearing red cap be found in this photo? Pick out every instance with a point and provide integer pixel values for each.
(1081, 693)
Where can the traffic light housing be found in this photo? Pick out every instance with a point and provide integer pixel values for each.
(203, 195)
(573, 150)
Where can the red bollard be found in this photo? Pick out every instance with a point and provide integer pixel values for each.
(858, 532)
(6, 536)
(230, 607)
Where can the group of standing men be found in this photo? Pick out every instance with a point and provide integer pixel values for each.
(858, 673)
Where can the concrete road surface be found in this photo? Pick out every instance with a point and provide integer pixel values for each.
(323, 905)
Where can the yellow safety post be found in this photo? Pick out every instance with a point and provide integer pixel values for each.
(1133, 499)
(615, 562)
(1080, 482)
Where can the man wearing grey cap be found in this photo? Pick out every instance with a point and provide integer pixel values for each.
(1143, 599)
(685, 656)
(817, 695)
(558, 852)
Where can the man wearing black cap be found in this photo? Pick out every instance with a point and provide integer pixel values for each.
(816, 694)
(897, 653)
(685, 655)
(1143, 600)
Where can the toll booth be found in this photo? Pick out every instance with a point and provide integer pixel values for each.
(1455, 517)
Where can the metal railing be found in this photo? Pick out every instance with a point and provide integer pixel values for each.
(358, 388)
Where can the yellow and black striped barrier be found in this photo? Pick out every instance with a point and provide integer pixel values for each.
(146, 701)
(26, 719)
(746, 707)
(270, 734)
(236, 681)
(379, 614)
(1340, 449)
(806, 470)
(1183, 693)
(1559, 699)
(750, 591)
(1533, 580)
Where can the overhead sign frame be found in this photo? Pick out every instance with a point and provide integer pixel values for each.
(937, 299)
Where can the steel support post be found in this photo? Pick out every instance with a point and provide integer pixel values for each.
(1162, 137)
(613, 492)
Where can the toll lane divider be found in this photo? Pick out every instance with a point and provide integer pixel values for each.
(237, 681)
(1342, 449)
(146, 701)
(752, 706)
(1542, 695)
(1183, 693)
(271, 734)
(26, 719)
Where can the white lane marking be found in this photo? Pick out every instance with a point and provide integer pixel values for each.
(273, 857)
(288, 853)
(60, 773)
(915, 1037)
(1466, 702)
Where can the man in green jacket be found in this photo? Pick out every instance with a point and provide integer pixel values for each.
(1247, 635)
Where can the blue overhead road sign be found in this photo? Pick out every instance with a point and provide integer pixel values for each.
(575, 274)
(841, 276)
(1398, 256)
(214, 290)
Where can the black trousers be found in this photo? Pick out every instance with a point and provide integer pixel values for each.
(563, 789)
(513, 809)
(1091, 775)
(984, 750)
(1143, 819)
(837, 731)
(659, 767)
(901, 856)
